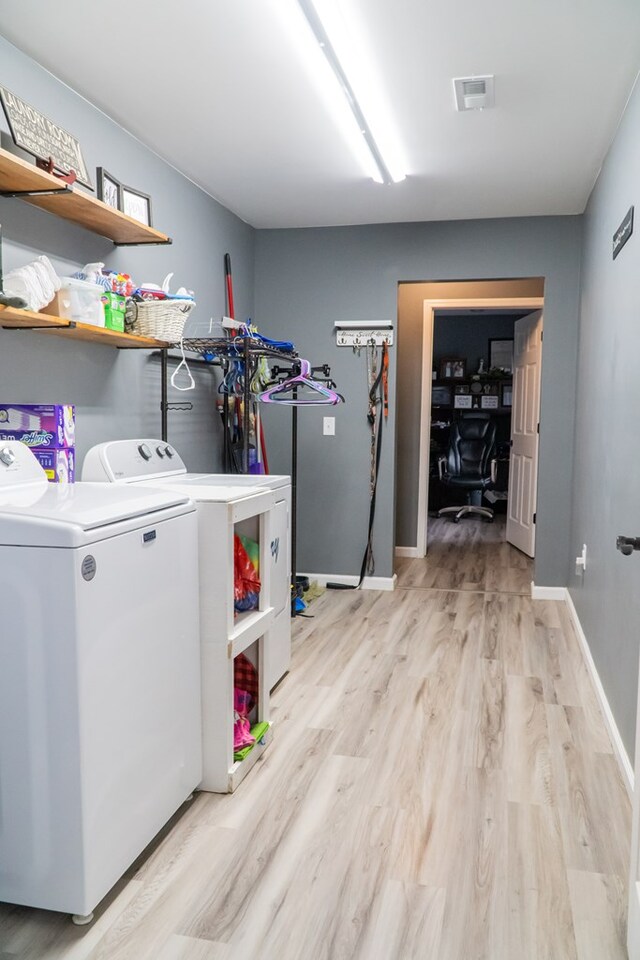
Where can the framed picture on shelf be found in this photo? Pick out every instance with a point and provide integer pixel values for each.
(453, 368)
(136, 205)
(441, 395)
(108, 188)
(463, 401)
(506, 395)
(461, 388)
(488, 402)
(500, 354)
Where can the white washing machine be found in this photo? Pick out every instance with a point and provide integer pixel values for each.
(224, 508)
(112, 461)
(99, 679)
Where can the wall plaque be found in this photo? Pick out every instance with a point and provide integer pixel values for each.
(44, 139)
(623, 233)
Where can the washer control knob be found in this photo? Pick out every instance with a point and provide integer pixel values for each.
(160, 451)
(7, 456)
(144, 451)
(170, 452)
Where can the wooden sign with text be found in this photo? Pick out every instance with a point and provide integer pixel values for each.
(42, 138)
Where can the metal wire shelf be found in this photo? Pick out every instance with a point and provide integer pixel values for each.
(237, 348)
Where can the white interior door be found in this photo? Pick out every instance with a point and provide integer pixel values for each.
(525, 416)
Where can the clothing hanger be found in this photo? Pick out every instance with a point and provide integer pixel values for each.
(321, 394)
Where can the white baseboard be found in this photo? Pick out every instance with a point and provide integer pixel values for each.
(369, 583)
(621, 755)
(411, 552)
(548, 593)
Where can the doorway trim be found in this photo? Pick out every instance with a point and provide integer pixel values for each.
(429, 310)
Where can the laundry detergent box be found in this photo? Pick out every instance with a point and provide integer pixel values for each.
(59, 465)
(51, 425)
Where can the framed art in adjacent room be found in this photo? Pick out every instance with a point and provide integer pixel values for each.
(108, 188)
(506, 398)
(453, 368)
(500, 354)
(136, 205)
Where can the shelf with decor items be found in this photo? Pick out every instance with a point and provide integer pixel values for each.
(13, 319)
(487, 394)
(24, 180)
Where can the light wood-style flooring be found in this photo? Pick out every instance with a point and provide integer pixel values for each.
(440, 785)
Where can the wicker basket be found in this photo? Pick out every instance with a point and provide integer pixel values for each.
(161, 319)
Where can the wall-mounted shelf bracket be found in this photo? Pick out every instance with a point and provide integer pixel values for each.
(35, 193)
(144, 243)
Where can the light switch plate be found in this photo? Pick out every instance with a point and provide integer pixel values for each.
(329, 426)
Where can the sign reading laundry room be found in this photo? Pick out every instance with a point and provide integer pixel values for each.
(623, 233)
(44, 139)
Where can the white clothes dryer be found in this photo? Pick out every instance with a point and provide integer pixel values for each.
(223, 510)
(113, 461)
(99, 679)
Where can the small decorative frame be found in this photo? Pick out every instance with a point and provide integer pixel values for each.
(453, 368)
(109, 188)
(488, 402)
(136, 205)
(500, 354)
(506, 394)
(463, 401)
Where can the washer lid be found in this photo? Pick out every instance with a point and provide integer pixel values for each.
(271, 481)
(205, 487)
(64, 515)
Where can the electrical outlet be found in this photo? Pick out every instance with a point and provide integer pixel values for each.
(329, 426)
(581, 561)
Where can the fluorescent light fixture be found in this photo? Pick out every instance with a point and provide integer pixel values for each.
(355, 85)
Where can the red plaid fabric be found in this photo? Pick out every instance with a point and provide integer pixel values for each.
(245, 676)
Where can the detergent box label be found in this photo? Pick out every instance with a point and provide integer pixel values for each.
(59, 465)
(39, 425)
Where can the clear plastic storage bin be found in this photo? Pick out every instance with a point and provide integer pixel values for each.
(81, 300)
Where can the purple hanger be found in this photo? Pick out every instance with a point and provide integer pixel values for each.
(324, 395)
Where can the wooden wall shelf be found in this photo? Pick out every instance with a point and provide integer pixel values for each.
(18, 177)
(13, 319)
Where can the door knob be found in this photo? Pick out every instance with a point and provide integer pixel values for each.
(626, 545)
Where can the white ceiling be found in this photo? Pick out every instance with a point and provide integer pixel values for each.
(221, 89)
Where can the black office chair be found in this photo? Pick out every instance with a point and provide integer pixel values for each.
(470, 466)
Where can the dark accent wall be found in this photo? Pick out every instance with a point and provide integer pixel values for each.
(468, 337)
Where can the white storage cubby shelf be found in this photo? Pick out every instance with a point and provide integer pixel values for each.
(224, 636)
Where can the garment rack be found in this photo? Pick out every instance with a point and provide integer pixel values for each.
(250, 350)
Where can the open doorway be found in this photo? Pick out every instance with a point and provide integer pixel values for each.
(489, 396)
(480, 419)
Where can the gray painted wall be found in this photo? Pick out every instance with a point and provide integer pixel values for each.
(117, 393)
(307, 279)
(607, 468)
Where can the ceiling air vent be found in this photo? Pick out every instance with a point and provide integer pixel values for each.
(473, 93)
